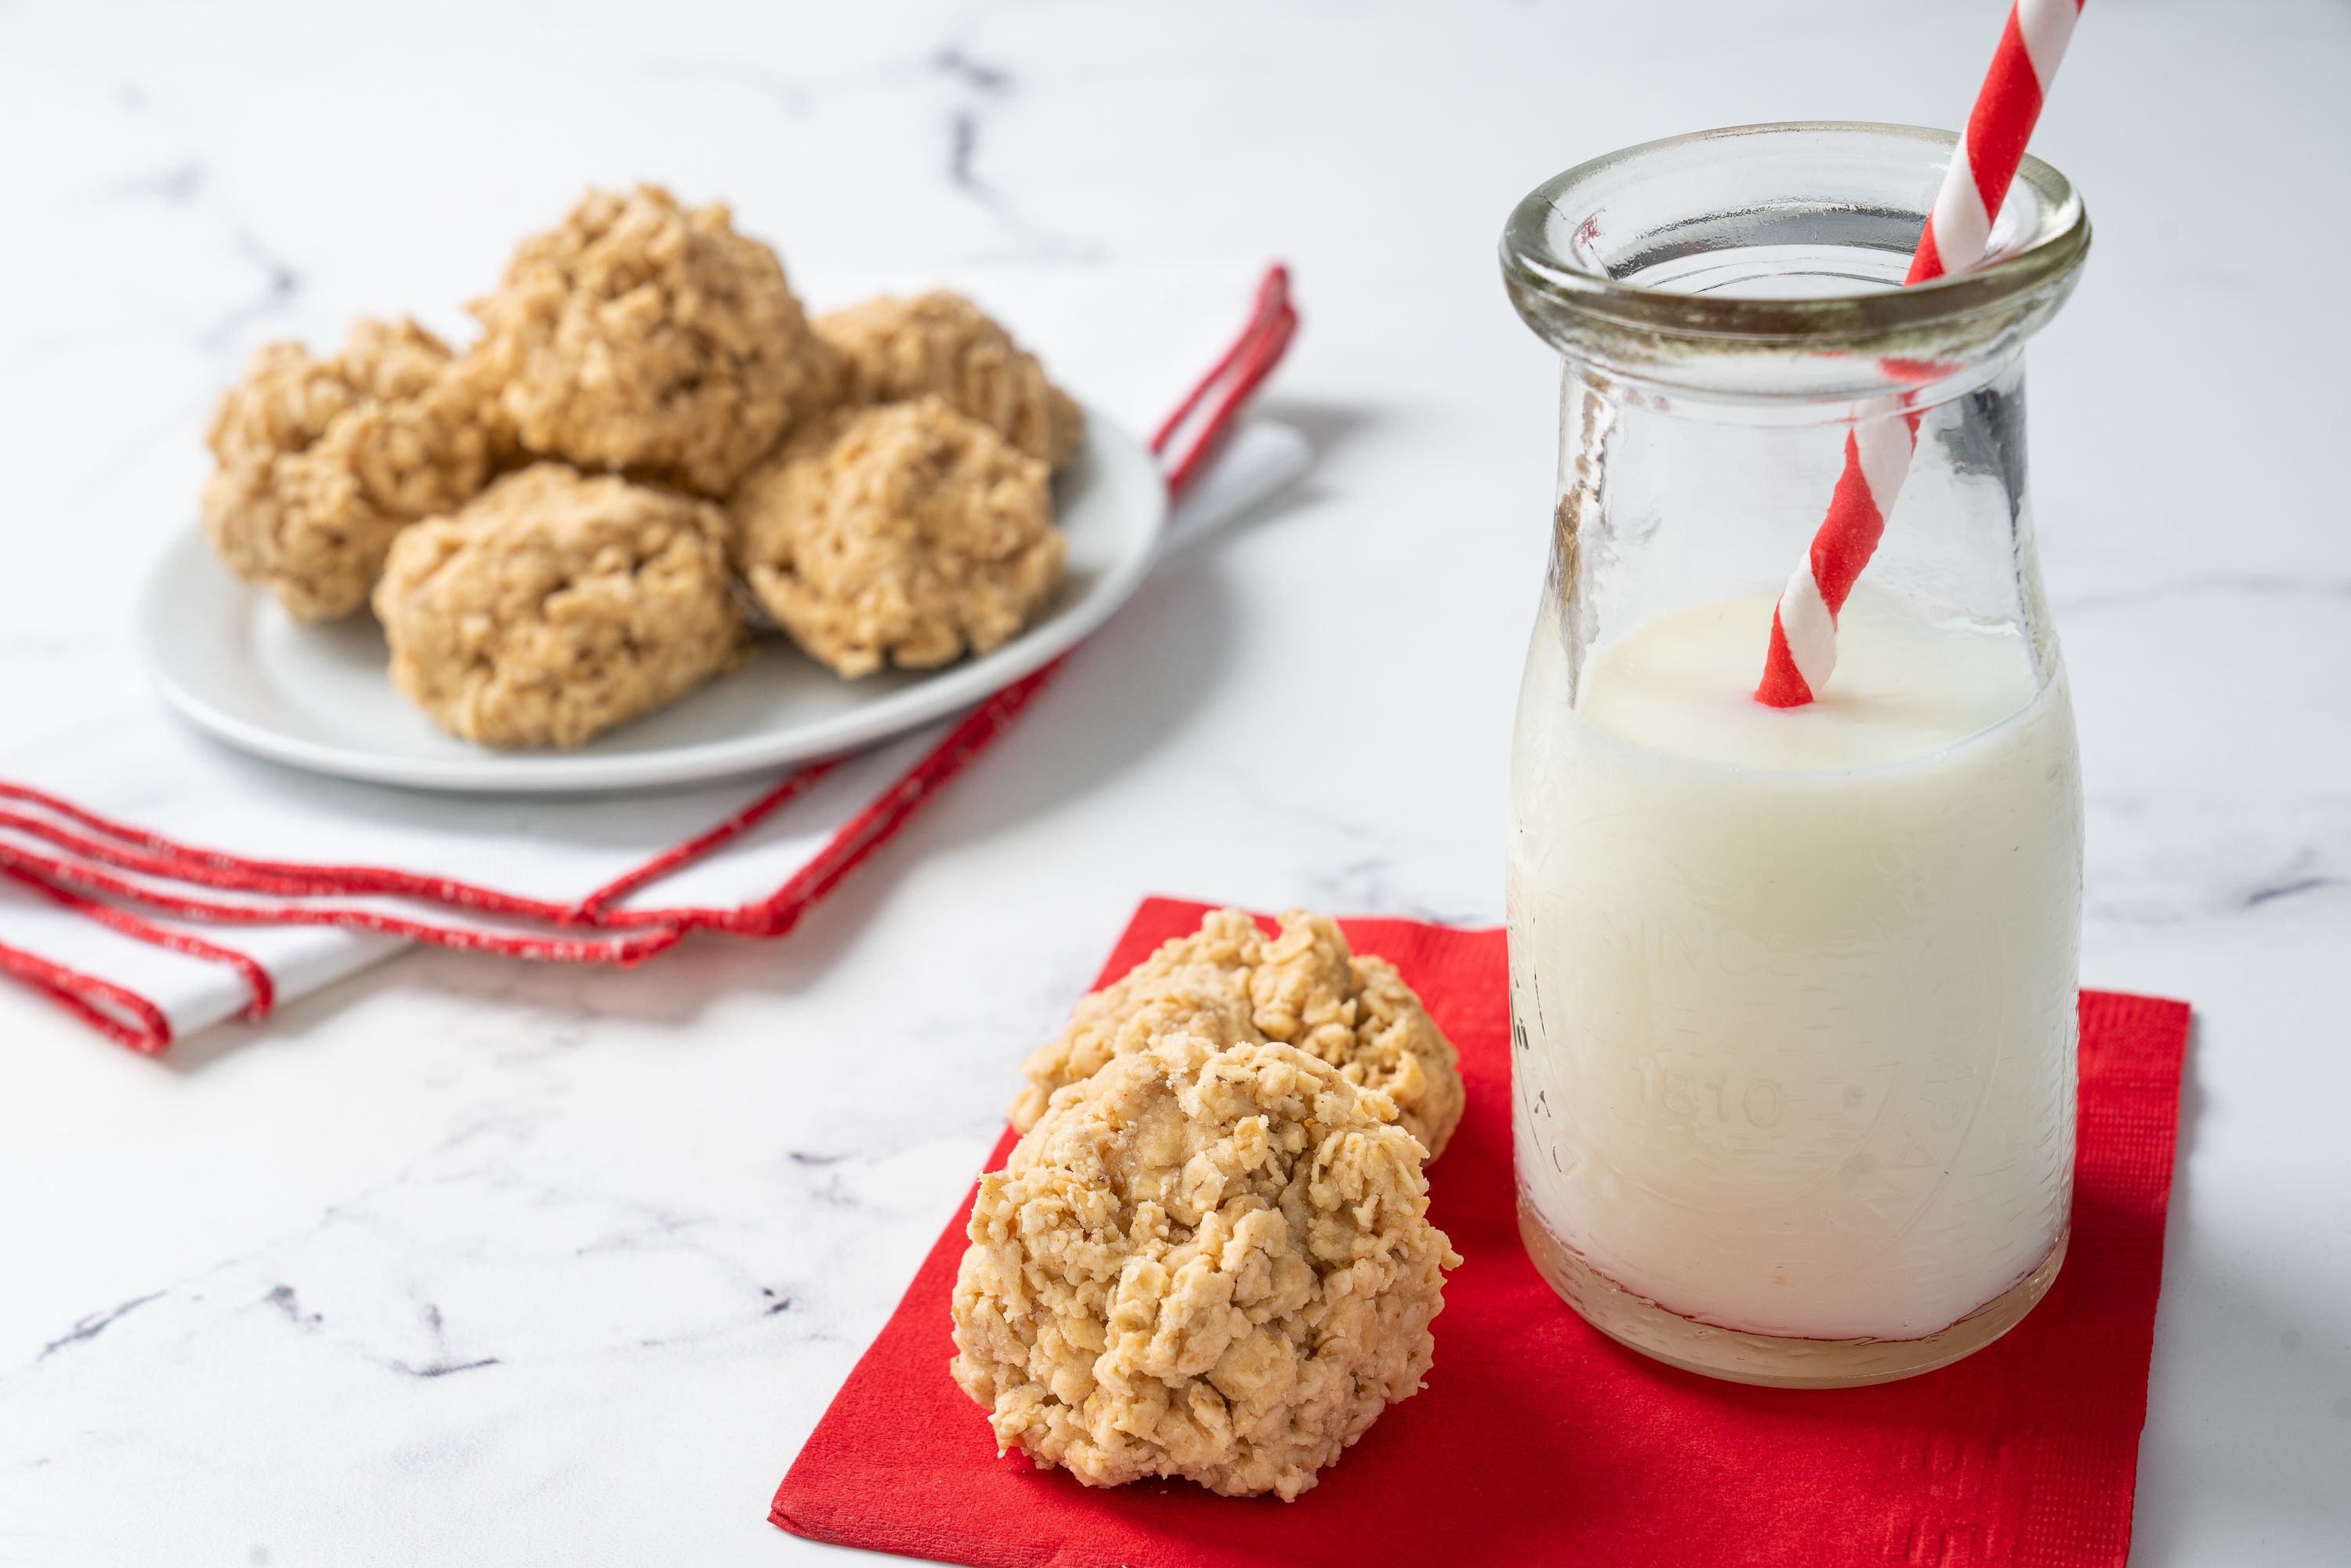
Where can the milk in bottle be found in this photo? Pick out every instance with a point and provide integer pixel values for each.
(1793, 990)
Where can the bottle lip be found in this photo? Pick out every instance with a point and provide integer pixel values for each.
(1560, 282)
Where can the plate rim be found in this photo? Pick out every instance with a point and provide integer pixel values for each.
(949, 691)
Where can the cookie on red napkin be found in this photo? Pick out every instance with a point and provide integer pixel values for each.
(1537, 1439)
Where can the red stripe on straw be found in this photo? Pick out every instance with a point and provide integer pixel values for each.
(1841, 550)
(1783, 684)
(2006, 109)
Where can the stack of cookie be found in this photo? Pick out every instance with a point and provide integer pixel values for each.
(557, 528)
(1209, 1254)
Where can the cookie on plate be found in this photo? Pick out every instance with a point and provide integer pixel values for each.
(555, 606)
(322, 461)
(1201, 1262)
(641, 336)
(892, 349)
(904, 534)
(1230, 984)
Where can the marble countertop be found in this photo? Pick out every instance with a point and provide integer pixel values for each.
(466, 1261)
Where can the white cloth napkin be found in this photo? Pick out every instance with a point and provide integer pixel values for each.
(105, 902)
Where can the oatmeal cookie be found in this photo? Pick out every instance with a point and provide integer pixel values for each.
(643, 336)
(1231, 984)
(556, 606)
(940, 342)
(1209, 1263)
(322, 461)
(905, 534)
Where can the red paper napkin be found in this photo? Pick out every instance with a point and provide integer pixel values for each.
(1537, 1439)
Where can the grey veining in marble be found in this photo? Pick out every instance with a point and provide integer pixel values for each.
(468, 1262)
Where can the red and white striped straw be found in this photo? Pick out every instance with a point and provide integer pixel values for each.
(1877, 451)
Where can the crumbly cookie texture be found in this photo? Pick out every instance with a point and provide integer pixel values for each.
(1230, 984)
(555, 606)
(322, 461)
(641, 336)
(1209, 1263)
(941, 342)
(905, 534)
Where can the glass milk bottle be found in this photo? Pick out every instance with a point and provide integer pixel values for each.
(1793, 990)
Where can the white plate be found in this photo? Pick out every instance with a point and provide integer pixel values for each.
(318, 697)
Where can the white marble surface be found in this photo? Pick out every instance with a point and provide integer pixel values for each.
(469, 1262)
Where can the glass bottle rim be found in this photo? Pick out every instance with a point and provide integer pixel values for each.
(2032, 258)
